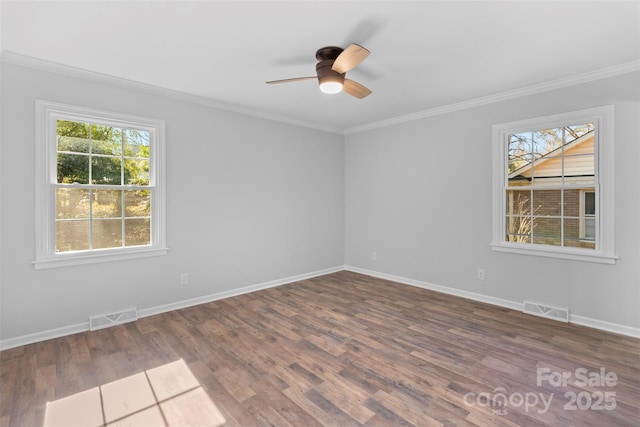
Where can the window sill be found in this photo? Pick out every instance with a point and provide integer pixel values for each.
(558, 253)
(83, 258)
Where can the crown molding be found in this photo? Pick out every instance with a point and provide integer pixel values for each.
(79, 73)
(13, 58)
(590, 76)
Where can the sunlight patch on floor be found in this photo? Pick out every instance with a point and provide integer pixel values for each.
(169, 395)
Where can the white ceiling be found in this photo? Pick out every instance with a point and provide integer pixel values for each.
(424, 54)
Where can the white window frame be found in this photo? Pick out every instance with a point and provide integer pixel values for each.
(603, 119)
(47, 114)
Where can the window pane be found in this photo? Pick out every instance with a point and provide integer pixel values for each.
(72, 236)
(107, 203)
(106, 170)
(589, 203)
(136, 143)
(572, 235)
(519, 152)
(518, 202)
(589, 228)
(137, 203)
(547, 231)
(106, 233)
(137, 232)
(547, 170)
(136, 172)
(73, 136)
(571, 230)
(73, 144)
(72, 203)
(545, 141)
(518, 229)
(73, 168)
(546, 202)
(106, 140)
(576, 131)
(579, 169)
(572, 203)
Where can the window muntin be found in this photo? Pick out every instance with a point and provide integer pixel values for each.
(542, 170)
(99, 186)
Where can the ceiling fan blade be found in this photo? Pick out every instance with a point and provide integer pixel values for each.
(295, 79)
(349, 58)
(355, 89)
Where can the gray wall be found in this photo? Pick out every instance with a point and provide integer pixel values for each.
(248, 201)
(419, 195)
(252, 201)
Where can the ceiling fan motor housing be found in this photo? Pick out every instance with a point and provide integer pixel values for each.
(326, 57)
(326, 74)
(328, 52)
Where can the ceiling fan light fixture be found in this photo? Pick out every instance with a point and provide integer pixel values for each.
(330, 81)
(331, 85)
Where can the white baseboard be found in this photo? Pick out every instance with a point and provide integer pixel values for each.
(444, 289)
(8, 343)
(145, 312)
(605, 326)
(578, 320)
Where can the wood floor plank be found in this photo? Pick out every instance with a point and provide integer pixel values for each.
(344, 349)
(404, 409)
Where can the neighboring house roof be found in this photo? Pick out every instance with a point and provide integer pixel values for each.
(578, 161)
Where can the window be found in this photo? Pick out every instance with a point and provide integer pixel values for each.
(99, 186)
(553, 186)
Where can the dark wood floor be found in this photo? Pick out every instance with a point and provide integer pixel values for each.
(347, 349)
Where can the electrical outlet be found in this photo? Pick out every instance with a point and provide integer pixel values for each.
(374, 256)
(480, 274)
(184, 279)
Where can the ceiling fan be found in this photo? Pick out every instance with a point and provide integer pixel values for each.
(333, 64)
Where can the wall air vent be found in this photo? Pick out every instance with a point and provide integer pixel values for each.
(107, 320)
(543, 310)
